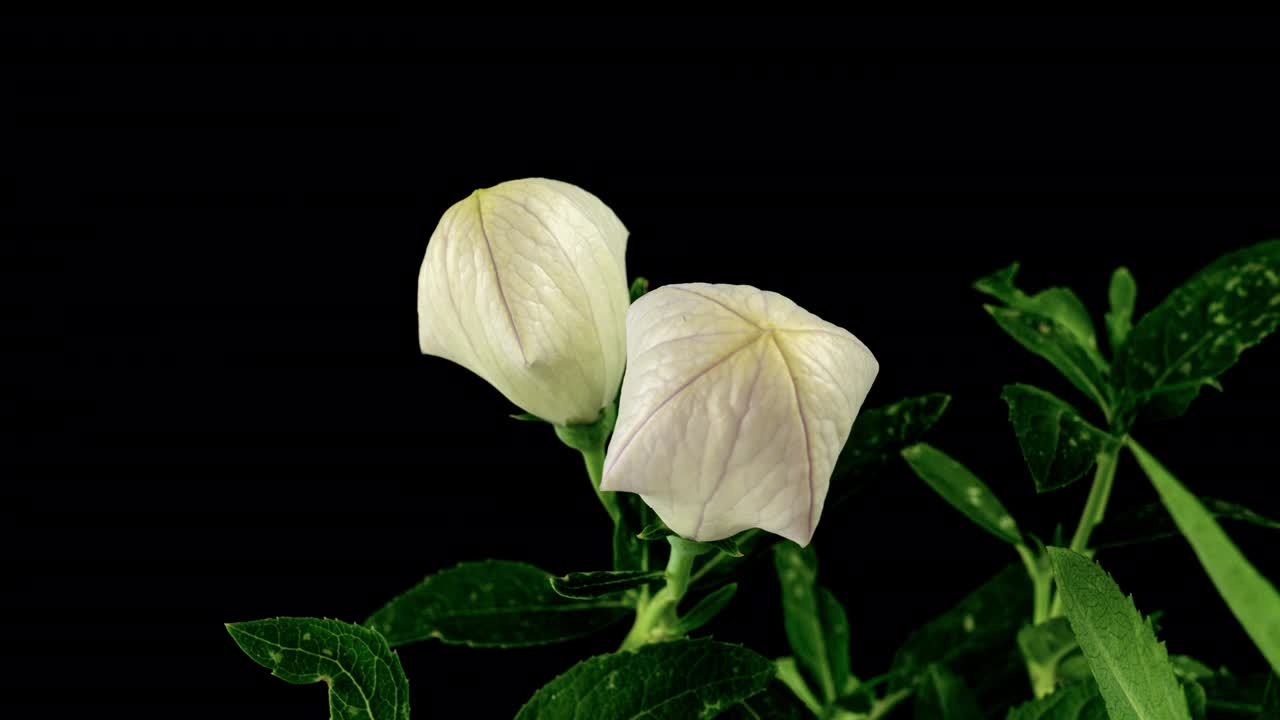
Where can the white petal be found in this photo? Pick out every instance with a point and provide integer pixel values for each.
(734, 408)
(525, 284)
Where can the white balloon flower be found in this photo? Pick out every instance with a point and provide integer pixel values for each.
(525, 284)
(735, 406)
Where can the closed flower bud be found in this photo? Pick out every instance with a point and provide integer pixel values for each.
(525, 284)
(735, 406)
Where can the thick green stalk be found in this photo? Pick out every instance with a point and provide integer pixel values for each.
(1095, 507)
(594, 459)
(656, 619)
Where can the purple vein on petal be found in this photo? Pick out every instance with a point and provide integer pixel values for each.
(498, 278)
(744, 318)
(804, 428)
(732, 446)
(639, 427)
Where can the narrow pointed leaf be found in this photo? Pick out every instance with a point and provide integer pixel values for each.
(592, 585)
(1052, 341)
(943, 696)
(816, 624)
(527, 417)
(365, 679)
(1074, 702)
(728, 546)
(777, 702)
(1199, 331)
(1152, 522)
(963, 490)
(495, 603)
(1122, 295)
(1131, 667)
(1251, 597)
(706, 609)
(667, 681)
(1058, 445)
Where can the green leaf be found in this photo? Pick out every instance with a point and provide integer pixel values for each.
(1060, 305)
(1271, 699)
(789, 675)
(1131, 667)
(880, 433)
(706, 609)
(943, 696)
(1052, 341)
(639, 287)
(816, 625)
(1251, 597)
(495, 603)
(591, 585)
(777, 702)
(1044, 647)
(1199, 331)
(675, 680)
(963, 490)
(363, 673)
(1057, 443)
(1151, 522)
(1074, 702)
(976, 636)
(1123, 295)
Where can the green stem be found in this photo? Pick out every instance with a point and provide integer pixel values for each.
(594, 459)
(1041, 580)
(656, 618)
(1096, 504)
(1095, 507)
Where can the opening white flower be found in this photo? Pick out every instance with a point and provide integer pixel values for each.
(735, 406)
(525, 284)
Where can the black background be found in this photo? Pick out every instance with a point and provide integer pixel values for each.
(216, 406)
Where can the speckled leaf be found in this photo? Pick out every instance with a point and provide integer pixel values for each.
(1199, 331)
(1059, 304)
(1252, 598)
(879, 434)
(1131, 667)
(363, 673)
(1151, 522)
(1122, 295)
(495, 603)
(976, 636)
(777, 702)
(675, 680)
(1074, 702)
(963, 490)
(816, 624)
(1052, 341)
(1058, 445)
(591, 585)
(943, 696)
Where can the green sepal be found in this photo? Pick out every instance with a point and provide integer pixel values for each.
(365, 679)
(528, 417)
(589, 437)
